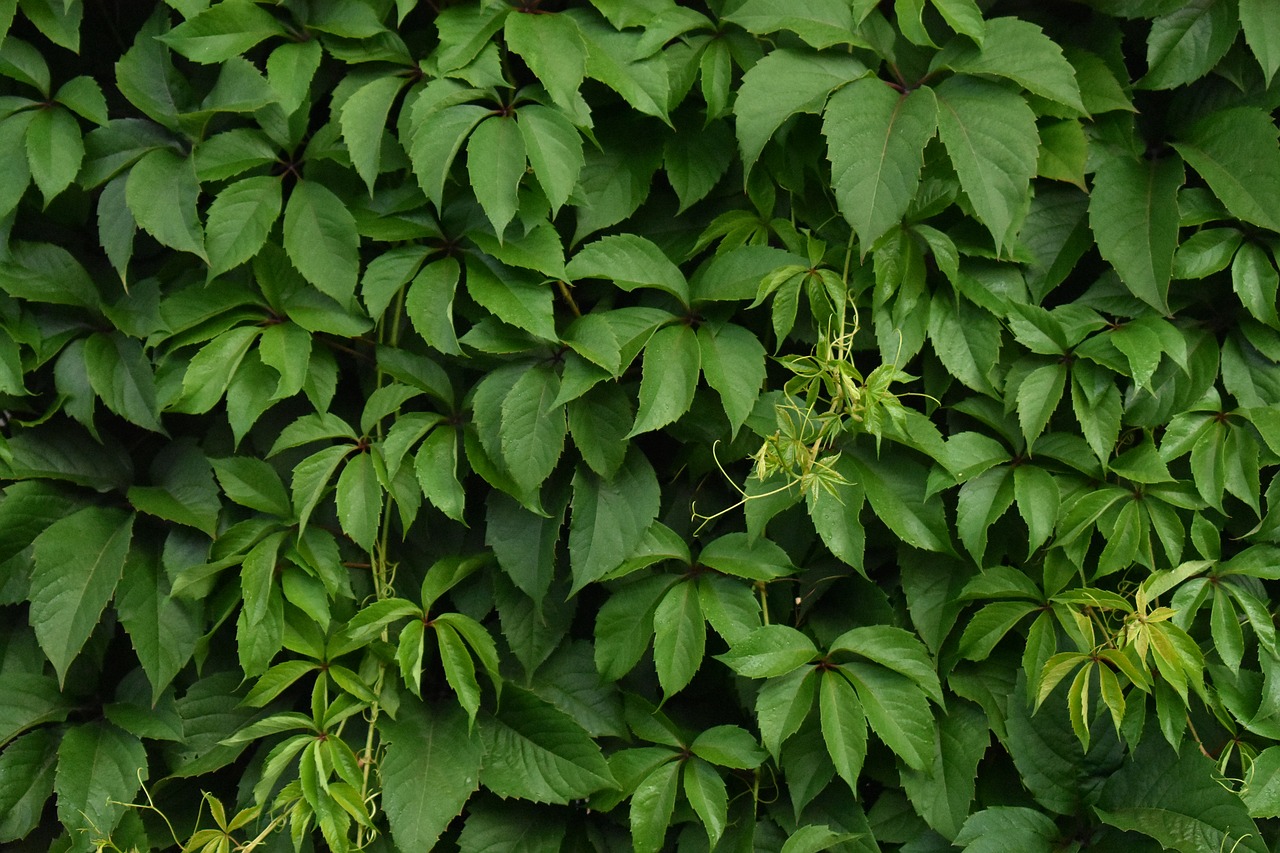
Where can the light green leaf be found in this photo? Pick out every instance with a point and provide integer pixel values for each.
(1261, 791)
(1017, 50)
(769, 651)
(437, 142)
(100, 769)
(552, 145)
(363, 118)
(782, 84)
(1187, 43)
(55, 150)
(161, 193)
(672, 359)
(211, 369)
(680, 637)
(290, 70)
(553, 47)
(321, 240)
(1236, 152)
(78, 562)
(964, 17)
(1262, 33)
(533, 428)
(513, 299)
(844, 726)
(239, 220)
(536, 752)
(433, 740)
(875, 141)
(991, 136)
(222, 31)
(496, 163)
(629, 261)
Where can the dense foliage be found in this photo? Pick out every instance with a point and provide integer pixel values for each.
(738, 425)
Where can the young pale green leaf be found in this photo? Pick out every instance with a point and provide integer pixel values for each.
(991, 136)
(161, 194)
(222, 31)
(672, 360)
(1019, 51)
(100, 769)
(321, 240)
(1185, 44)
(78, 562)
(875, 141)
(844, 725)
(553, 147)
(783, 83)
(239, 220)
(610, 517)
(55, 150)
(680, 637)
(769, 651)
(433, 740)
(1008, 829)
(1236, 152)
(364, 118)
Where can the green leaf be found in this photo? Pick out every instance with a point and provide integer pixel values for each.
(78, 562)
(598, 421)
(1175, 799)
(1236, 152)
(782, 84)
(513, 299)
(161, 194)
(554, 49)
(290, 70)
(536, 752)
(728, 746)
(120, 373)
(495, 164)
(680, 637)
(629, 261)
(163, 630)
(1019, 51)
(1187, 43)
(706, 793)
(820, 23)
(769, 651)
(895, 649)
(239, 220)
(672, 360)
(363, 118)
(359, 497)
(83, 96)
(1262, 33)
(942, 793)
(652, 803)
(321, 240)
(437, 142)
(875, 141)
(782, 705)
(991, 136)
(433, 740)
(896, 492)
(511, 825)
(184, 491)
(311, 477)
(552, 145)
(815, 838)
(1038, 398)
(644, 83)
(1255, 281)
(533, 427)
(26, 782)
(28, 701)
(59, 23)
(1005, 829)
(1064, 150)
(1133, 213)
(844, 726)
(610, 517)
(897, 710)
(210, 372)
(222, 31)
(980, 504)
(100, 769)
(695, 161)
(436, 467)
(1261, 791)
(738, 555)
(55, 150)
(1038, 495)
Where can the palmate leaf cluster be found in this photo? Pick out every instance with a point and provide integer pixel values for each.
(628, 424)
